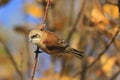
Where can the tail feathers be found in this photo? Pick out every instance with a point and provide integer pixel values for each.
(79, 54)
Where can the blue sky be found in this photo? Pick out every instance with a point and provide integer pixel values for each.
(13, 14)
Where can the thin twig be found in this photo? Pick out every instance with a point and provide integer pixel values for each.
(22, 60)
(112, 40)
(71, 12)
(28, 55)
(102, 53)
(111, 3)
(106, 48)
(76, 22)
(46, 11)
(84, 71)
(64, 61)
(115, 75)
(12, 59)
(43, 25)
(13, 62)
(35, 63)
(37, 50)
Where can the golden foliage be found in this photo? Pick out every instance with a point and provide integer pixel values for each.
(111, 10)
(34, 10)
(104, 17)
(99, 13)
(97, 16)
(107, 64)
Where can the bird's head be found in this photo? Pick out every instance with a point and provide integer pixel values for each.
(35, 36)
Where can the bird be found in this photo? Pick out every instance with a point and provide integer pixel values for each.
(51, 43)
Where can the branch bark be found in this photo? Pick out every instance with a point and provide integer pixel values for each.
(35, 63)
(76, 22)
(37, 50)
(115, 75)
(106, 48)
(46, 11)
(112, 40)
(12, 59)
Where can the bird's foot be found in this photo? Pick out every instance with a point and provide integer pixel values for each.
(37, 50)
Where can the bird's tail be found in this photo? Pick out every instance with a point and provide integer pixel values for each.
(79, 54)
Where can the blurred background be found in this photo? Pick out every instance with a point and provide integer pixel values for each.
(89, 25)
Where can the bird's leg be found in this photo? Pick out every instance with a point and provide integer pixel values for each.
(35, 62)
(37, 50)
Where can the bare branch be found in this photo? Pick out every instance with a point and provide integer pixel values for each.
(43, 26)
(35, 63)
(111, 3)
(106, 48)
(12, 59)
(46, 11)
(112, 40)
(71, 12)
(37, 51)
(115, 75)
(76, 22)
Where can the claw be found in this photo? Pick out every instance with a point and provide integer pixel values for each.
(37, 50)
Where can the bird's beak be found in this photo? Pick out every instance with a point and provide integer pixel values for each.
(30, 40)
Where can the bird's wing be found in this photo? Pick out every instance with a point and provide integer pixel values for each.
(52, 40)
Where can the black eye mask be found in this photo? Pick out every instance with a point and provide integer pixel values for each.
(35, 36)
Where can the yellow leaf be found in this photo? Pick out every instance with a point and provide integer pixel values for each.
(34, 10)
(98, 18)
(111, 10)
(95, 18)
(97, 13)
(107, 64)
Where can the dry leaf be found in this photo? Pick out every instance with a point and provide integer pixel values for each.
(34, 10)
(98, 18)
(111, 10)
(97, 13)
(107, 64)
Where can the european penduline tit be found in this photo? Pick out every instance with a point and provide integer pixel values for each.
(50, 43)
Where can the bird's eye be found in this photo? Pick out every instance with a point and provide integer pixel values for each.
(35, 36)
